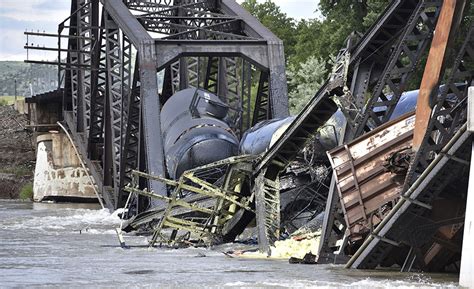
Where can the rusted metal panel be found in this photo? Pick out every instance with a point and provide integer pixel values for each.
(434, 68)
(364, 183)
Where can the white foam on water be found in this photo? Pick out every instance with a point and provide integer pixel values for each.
(98, 232)
(362, 284)
(402, 284)
(85, 220)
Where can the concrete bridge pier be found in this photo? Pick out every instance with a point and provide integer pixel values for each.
(59, 175)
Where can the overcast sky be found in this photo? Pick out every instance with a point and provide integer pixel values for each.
(44, 15)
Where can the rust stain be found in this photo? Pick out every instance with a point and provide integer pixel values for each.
(433, 70)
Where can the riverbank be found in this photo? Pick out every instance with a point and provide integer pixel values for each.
(17, 153)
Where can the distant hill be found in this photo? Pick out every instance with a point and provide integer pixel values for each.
(36, 78)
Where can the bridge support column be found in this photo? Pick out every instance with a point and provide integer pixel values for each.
(58, 172)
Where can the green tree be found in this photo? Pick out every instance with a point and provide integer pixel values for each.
(271, 16)
(308, 41)
(310, 44)
(374, 9)
(324, 37)
(341, 17)
(317, 37)
(305, 79)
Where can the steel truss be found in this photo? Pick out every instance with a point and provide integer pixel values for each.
(447, 123)
(112, 99)
(384, 58)
(380, 65)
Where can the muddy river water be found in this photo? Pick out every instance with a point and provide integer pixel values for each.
(75, 246)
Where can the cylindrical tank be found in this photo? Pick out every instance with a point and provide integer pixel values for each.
(194, 131)
(406, 103)
(262, 136)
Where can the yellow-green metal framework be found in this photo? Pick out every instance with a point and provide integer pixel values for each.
(203, 223)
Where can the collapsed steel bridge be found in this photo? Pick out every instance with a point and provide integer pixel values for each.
(111, 104)
(109, 93)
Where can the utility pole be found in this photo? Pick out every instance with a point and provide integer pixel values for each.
(15, 91)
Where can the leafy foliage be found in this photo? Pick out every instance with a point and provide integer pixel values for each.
(374, 8)
(305, 79)
(319, 37)
(310, 44)
(271, 16)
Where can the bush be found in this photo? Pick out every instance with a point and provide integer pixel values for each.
(26, 192)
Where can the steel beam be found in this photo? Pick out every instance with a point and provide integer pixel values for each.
(170, 51)
(151, 107)
(126, 21)
(96, 115)
(434, 67)
(276, 58)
